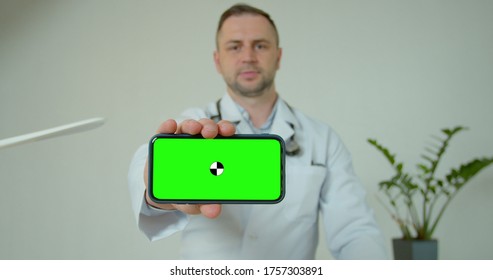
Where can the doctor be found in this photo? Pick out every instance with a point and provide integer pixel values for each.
(319, 173)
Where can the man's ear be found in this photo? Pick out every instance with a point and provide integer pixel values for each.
(216, 62)
(279, 56)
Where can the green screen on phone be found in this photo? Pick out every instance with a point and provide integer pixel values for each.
(238, 169)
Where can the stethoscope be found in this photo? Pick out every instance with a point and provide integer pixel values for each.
(292, 147)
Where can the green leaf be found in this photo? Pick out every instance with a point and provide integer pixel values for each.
(451, 132)
(432, 188)
(459, 177)
(427, 158)
(385, 151)
(431, 150)
(399, 167)
(424, 168)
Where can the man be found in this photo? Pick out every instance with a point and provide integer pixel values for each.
(319, 173)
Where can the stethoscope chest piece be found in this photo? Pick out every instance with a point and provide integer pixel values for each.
(292, 147)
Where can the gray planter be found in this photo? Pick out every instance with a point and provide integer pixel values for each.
(415, 249)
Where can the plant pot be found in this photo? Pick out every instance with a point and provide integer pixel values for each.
(415, 249)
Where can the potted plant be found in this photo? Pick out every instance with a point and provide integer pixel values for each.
(417, 201)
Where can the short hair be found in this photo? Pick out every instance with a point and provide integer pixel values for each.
(244, 9)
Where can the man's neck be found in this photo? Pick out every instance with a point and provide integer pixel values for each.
(258, 108)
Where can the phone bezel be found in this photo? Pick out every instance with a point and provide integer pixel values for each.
(217, 201)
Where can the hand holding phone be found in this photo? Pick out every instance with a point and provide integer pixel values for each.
(208, 129)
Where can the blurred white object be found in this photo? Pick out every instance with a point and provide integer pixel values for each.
(52, 132)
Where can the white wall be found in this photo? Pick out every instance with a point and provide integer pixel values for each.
(395, 70)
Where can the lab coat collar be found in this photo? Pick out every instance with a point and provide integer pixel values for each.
(284, 123)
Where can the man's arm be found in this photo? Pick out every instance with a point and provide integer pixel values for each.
(352, 232)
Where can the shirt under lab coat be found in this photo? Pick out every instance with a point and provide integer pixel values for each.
(319, 180)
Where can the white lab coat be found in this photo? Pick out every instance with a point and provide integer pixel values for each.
(320, 179)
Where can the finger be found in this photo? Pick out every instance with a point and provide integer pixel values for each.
(146, 173)
(210, 211)
(226, 128)
(168, 126)
(191, 209)
(209, 128)
(191, 127)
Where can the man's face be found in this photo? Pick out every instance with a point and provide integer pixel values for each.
(247, 55)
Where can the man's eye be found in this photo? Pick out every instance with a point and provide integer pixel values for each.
(234, 48)
(260, 46)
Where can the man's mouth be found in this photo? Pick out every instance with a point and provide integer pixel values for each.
(249, 74)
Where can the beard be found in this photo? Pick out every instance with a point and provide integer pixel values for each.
(266, 82)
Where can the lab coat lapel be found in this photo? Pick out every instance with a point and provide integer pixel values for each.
(230, 112)
(284, 122)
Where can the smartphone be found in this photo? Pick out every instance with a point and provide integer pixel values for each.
(244, 168)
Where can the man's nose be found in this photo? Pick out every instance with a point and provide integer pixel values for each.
(249, 55)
